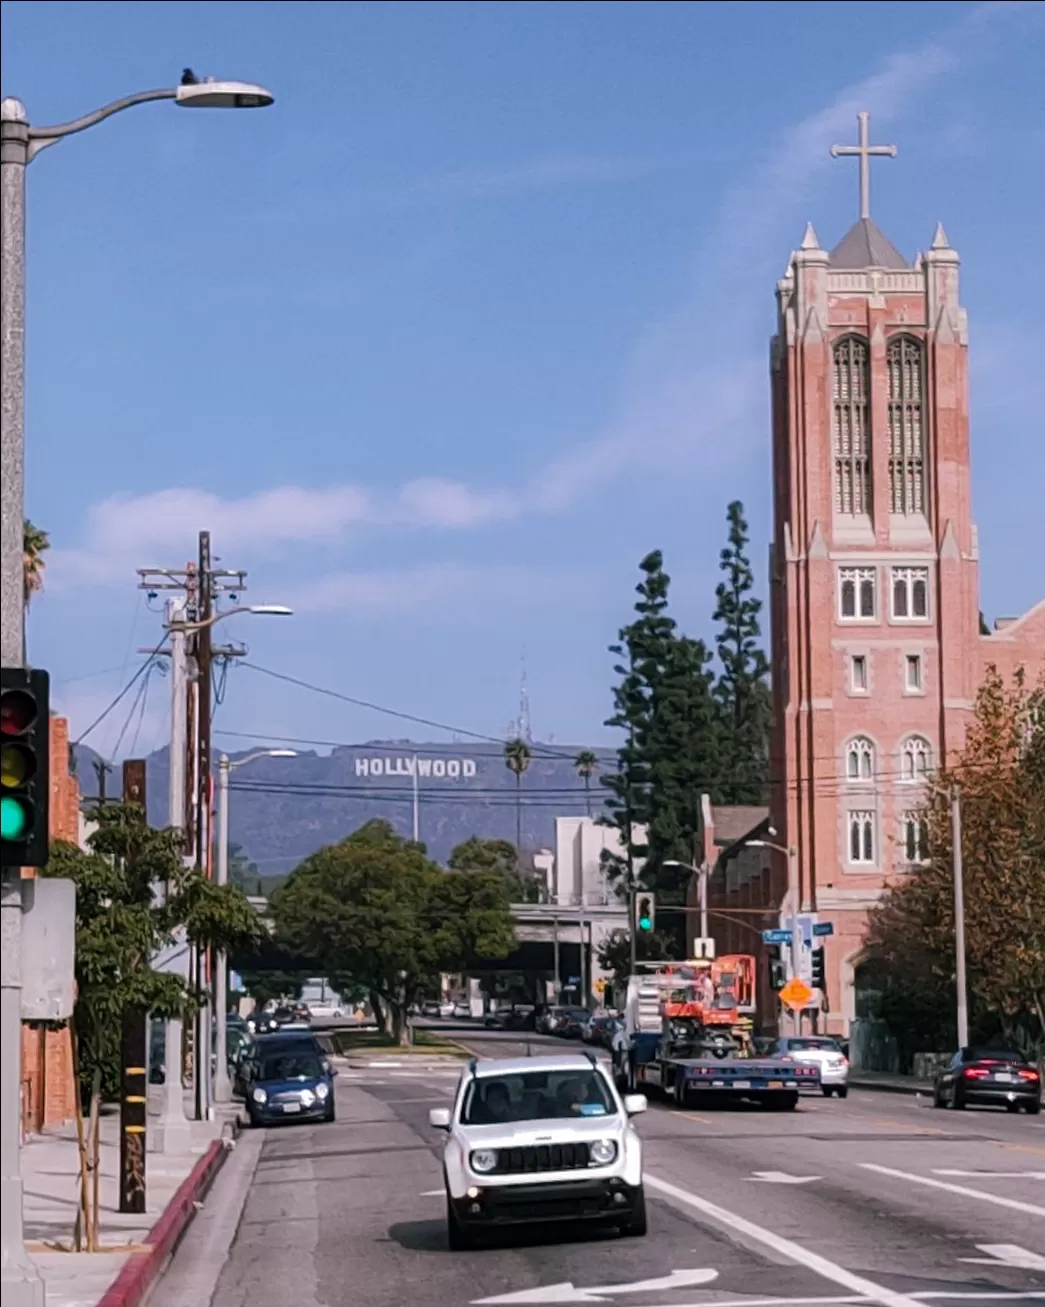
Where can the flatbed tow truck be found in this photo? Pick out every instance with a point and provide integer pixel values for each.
(687, 1035)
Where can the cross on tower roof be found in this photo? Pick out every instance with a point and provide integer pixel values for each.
(864, 150)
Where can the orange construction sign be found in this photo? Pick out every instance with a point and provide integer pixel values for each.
(796, 994)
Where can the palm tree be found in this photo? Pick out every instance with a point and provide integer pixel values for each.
(35, 544)
(585, 764)
(517, 755)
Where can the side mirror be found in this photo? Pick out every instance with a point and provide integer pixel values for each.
(634, 1104)
(333, 1071)
(439, 1118)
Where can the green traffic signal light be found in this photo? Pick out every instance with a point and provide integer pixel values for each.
(645, 915)
(15, 819)
(24, 767)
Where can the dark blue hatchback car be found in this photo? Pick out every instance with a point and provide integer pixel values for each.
(290, 1084)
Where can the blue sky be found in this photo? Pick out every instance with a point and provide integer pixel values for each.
(476, 315)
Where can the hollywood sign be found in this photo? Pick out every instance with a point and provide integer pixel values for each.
(453, 769)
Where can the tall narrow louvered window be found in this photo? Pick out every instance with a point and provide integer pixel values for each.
(904, 360)
(852, 426)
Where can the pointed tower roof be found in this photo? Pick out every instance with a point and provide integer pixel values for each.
(865, 246)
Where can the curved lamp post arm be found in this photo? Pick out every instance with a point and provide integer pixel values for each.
(45, 135)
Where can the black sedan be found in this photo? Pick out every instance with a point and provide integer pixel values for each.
(999, 1077)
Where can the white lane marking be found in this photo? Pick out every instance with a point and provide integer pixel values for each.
(821, 1266)
(433, 1193)
(994, 1175)
(1007, 1254)
(569, 1292)
(1001, 1295)
(782, 1177)
(966, 1192)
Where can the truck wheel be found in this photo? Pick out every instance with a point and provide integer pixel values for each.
(681, 1096)
(787, 1102)
(637, 1225)
(826, 1090)
(842, 1091)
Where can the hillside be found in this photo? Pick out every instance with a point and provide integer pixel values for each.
(282, 809)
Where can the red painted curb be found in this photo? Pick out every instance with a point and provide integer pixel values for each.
(141, 1269)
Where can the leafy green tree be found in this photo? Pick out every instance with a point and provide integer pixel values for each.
(243, 873)
(373, 911)
(35, 543)
(614, 952)
(586, 764)
(270, 986)
(498, 857)
(517, 757)
(121, 925)
(742, 690)
(1000, 777)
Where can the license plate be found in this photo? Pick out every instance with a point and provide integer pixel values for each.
(1004, 1075)
(291, 1107)
(776, 1084)
(741, 1084)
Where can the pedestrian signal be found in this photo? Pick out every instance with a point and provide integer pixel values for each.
(644, 914)
(818, 977)
(777, 970)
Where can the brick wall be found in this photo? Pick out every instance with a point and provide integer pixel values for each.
(48, 1095)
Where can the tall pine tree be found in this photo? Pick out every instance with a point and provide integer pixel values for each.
(742, 691)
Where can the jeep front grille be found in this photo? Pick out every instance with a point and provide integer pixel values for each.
(542, 1157)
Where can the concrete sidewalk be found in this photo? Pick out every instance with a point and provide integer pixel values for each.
(51, 1178)
(892, 1082)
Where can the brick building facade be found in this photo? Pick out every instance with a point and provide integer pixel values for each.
(878, 646)
(48, 1096)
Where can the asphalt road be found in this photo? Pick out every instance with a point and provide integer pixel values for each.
(878, 1199)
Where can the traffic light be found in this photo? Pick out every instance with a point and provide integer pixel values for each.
(818, 980)
(644, 914)
(777, 970)
(25, 773)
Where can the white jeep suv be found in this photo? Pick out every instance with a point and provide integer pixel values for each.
(537, 1139)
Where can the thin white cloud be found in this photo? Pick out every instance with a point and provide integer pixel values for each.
(471, 588)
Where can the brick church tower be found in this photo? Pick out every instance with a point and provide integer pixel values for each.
(877, 650)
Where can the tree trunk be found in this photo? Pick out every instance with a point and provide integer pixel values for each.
(382, 1013)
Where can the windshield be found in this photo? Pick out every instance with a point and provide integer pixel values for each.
(300, 1065)
(537, 1096)
(812, 1046)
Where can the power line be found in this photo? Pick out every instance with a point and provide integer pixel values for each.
(125, 691)
(537, 750)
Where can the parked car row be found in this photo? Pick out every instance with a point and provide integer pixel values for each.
(595, 1028)
(446, 1009)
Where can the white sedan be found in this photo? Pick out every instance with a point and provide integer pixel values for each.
(821, 1051)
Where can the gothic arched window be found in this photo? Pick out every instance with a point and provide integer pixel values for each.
(859, 759)
(905, 367)
(851, 425)
(916, 757)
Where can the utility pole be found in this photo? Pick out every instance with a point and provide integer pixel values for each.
(959, 918)
(190, 621)
(134, 1056)
(204, 690)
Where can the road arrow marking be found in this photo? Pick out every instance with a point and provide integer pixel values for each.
(994, 1175)
(569, 1292)
(782, 1177)
(1007, 1254)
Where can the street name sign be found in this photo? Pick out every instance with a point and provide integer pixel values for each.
(823, 928)
(796, 994)
(776, 937)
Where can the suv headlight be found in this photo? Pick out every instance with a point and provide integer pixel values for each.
(259, 1095)
(484, 1160)
(603, 1151)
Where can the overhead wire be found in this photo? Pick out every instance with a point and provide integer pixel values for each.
(115, 702)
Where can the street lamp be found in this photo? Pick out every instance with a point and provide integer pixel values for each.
(792, 891)
(19, 145)
(222, 1083)
(701, 874)
(259, 610)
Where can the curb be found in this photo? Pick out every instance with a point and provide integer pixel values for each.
(891, 1086)
(141, 1270)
